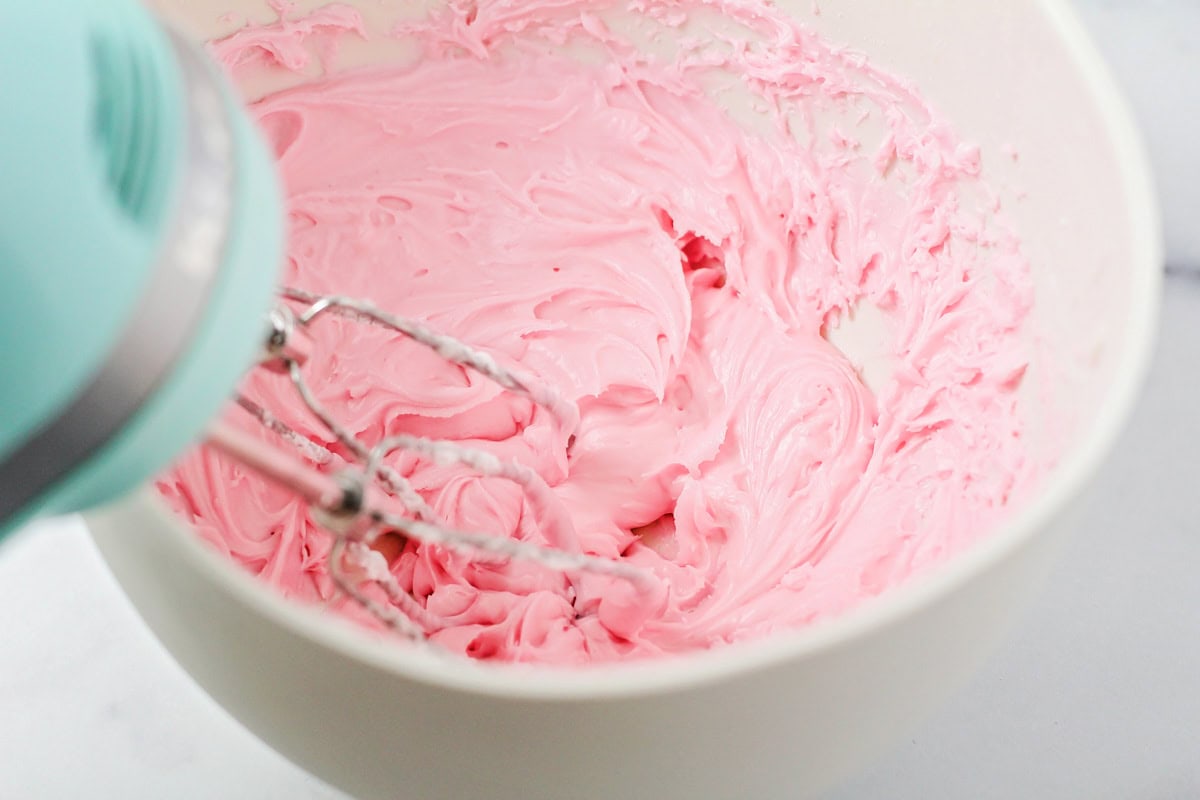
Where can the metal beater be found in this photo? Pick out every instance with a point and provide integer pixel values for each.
(369, 499)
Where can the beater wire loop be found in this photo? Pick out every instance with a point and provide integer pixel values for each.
(445, 346)
(407, 622)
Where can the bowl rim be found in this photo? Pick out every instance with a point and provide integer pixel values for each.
(690, 670)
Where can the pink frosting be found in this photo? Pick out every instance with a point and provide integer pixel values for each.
(604, 225)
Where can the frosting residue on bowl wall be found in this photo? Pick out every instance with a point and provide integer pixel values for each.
(680, 273)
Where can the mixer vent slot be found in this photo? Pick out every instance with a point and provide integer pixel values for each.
(126, 115)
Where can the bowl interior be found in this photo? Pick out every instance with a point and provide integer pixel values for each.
(1019, 79)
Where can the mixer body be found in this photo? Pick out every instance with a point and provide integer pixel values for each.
(140, 230)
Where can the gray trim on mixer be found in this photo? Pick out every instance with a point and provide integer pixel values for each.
(165, 320)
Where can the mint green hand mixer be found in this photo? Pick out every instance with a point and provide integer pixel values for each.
(140, 227)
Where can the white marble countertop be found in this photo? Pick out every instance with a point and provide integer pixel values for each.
(1097, 696)
(1153, 47)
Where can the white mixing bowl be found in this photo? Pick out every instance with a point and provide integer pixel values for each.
(783, 717)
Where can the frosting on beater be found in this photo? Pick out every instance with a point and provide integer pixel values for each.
(676, 271)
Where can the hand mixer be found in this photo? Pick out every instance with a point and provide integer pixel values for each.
(140, 228)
